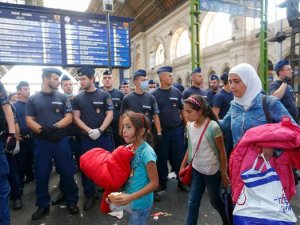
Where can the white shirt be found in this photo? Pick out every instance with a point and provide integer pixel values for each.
(205, 160)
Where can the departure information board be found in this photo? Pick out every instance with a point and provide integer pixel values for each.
(42, 36)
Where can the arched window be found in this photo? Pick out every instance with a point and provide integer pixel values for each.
(219, 29)
(159, 55)
(183, 46)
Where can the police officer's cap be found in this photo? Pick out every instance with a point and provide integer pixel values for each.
(140, 73)
(168, 69)
(196, 70)
(107, 72)
(224, 77)
(280, 64)
(65, 77)
(86, 71)
(124, 82)
(151, 82)
(22, 84)
(214, 77)
(47, 71)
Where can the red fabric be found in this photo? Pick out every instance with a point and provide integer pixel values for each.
(107, 170)
(284, 135)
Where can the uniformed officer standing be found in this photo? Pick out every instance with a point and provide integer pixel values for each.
(197, 82)
(282, 89)
(7, 121)
(93, 113)
(152, 85)
(72, 133)
(25, 156)
(141, 102)
(117, 98)
(171, 147)
(125, 87)
(48, 113)
(214, 85)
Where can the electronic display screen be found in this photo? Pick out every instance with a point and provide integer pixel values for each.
(42, 36)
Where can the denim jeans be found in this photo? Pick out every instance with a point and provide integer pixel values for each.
(198, 184)
(139, 216)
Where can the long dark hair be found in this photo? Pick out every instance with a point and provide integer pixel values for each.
(139, 121)
(197, 103)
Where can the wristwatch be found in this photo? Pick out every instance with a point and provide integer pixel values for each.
(55, 126)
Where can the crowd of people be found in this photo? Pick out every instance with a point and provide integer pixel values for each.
(161, 124)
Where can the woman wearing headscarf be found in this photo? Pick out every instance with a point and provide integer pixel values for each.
(246, 110)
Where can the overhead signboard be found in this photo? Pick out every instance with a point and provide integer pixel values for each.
(42, 36)
(247, 8)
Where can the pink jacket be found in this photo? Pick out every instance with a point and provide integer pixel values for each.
(284, 135)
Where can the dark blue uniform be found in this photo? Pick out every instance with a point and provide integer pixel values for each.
(140, 103)
(4, 169)
(117, 98)
(25, 156)
(172, 144)
(48, 109)
(210, 97)
(288, 99)
(222, 101)
(193, 90)
(93, 107)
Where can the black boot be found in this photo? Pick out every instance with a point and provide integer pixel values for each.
(88, 204)
(40, 213)
(59, 199)
(73, 209)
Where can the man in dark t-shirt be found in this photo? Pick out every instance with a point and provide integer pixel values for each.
(93, 113)
(7, 119)
(222, 99)
(48, 113)
(140, 101)
(214, 85)
(171, 146)
(197, 81)
(282, 89)
(117, 98)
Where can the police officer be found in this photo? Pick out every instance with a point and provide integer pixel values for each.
(282, 89)
(93, 113)
(125, 87)
(171, 147)
(48, 113)
(214, 85)
(7, 125)
(25, 156)
(67, 86)
(141, 102)
(152, 85)
(220, 107)
(197, 82)
(117, 98)
(72, 132)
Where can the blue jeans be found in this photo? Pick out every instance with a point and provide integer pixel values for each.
(139, 216)
(213, 184)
